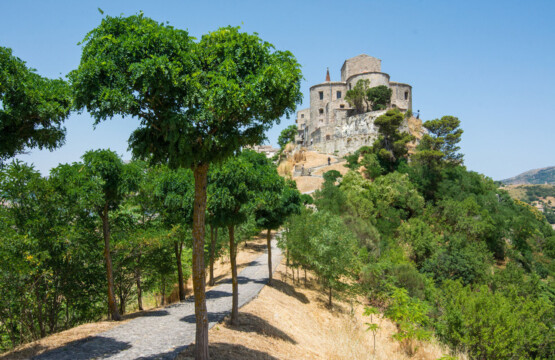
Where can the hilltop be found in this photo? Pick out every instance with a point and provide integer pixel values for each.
(537, 176)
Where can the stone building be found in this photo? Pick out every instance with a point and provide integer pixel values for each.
(330, 124)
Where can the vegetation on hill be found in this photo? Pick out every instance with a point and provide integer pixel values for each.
(434, 239)
(53, 234)
(537, 176)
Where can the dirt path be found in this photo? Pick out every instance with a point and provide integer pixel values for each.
(164, 333)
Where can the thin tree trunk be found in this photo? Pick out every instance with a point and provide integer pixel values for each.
(138, 281)
(330, 304)
(163, 290)
(178, 245)
(269, 245)
(213, 239)
(108, 258)
(234, 282)
(304, 277)
(199, 284)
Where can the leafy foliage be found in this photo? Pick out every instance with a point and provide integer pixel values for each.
(379, 97)
(32, 108)
(287, 136)
(357, 98)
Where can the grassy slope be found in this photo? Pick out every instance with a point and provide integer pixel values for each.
(291, 320)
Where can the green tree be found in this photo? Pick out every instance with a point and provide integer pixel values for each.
(231, 183)
(411, 318)
(379, 97)
(333, 251)
(32, 108)
(278, 199)
(391, 145)
(106, 180)
(356, 97)
(197, 103)
(287, 136)
(175, 194)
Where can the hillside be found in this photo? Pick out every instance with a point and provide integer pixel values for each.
(290, 320)
(537, 176)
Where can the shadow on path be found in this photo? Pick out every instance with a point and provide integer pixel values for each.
(222, 351)
(212, 317)
(93, 347)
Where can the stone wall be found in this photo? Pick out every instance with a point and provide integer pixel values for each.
(360, 64)
(350, 133)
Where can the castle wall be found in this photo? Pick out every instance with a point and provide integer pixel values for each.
(360, 64)
(376, 79)
(401, 96)
(350, 133)
(320, 109)
(326, 126)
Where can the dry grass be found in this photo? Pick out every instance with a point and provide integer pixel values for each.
(285, 168)
(27, 351)
(308, 183)
(290, 321)
(339, 167)
(255, 247)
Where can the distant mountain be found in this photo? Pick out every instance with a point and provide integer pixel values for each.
(537, 176)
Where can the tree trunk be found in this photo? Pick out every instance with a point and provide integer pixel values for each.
(304, 277)
(138, 281)
(213, 239)
(163, 300)
(234, 283)
(178, 245)
(199, 285)
(269, 245)
(329, 303)
(112, 308)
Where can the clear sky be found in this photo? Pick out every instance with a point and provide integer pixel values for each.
(490, 63)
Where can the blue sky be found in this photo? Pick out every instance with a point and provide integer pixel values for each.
(490, 63)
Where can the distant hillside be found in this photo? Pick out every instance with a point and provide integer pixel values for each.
(537, 176)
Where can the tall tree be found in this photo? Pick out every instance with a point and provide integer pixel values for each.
(231, 184)
(175, 193)
(391, 145)
(109, 180)
(197, 103)
(276, 200)
(32, 108)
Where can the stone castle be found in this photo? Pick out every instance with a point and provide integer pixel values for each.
(330, 125)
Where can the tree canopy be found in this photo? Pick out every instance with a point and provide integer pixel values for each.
(32, 108)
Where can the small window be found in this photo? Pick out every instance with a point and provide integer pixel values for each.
(406, 95)
(342, 106)
(321, 111)
(328, 137)
(321, 93)
(302, 116)
(339, 94)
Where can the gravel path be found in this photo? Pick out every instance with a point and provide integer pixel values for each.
(164, 333)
